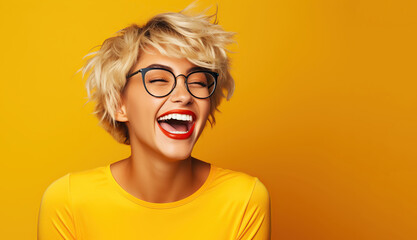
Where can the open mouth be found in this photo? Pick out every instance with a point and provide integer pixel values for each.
(177, 124)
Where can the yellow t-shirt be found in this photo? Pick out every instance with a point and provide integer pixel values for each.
(92, 205)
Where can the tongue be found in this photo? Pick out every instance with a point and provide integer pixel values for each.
(174, 125)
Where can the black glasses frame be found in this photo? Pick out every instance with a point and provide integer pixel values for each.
(145, 70)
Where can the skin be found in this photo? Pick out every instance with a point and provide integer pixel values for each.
(160, 169)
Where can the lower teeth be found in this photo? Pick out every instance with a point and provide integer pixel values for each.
(178, 132)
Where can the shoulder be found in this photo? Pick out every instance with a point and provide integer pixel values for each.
(248, 200)
(55, 213)
(61, 190)
(260, 198)
(87, 177)
(242, 185)
(57, 191)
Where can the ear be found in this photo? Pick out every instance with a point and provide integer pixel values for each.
(121, 114)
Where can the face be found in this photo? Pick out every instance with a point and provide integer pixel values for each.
(153, 127)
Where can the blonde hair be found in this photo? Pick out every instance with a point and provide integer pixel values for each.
(173, 34)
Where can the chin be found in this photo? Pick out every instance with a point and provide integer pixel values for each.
(176, 156)
(176, 153)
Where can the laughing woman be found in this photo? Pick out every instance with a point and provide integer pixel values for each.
(155, 86)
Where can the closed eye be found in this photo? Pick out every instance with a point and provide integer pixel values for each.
(199, 83)
(157, 80)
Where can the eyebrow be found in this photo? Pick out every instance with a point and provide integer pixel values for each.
(193, 69)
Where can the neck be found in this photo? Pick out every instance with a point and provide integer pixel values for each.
(154, 178)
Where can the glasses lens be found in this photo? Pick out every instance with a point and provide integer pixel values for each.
(159, 82)
(201, 84)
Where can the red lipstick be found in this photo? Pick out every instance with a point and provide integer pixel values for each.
(179, 135)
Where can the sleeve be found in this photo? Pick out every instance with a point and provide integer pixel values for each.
(55, 220)
(256, 223)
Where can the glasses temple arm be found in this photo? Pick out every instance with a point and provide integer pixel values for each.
(132, 74)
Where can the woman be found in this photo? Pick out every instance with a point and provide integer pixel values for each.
(155, 87)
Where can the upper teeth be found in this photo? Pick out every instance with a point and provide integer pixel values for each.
(182, 117)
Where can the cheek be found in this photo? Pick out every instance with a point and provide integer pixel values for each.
(205, 108)
(141, 112)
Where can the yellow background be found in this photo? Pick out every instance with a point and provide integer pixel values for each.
(324, 113)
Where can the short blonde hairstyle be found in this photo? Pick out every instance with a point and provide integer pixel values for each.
(173, 34)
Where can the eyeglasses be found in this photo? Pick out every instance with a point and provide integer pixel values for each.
(160, 82)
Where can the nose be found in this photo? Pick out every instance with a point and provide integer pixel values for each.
(180, 93)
